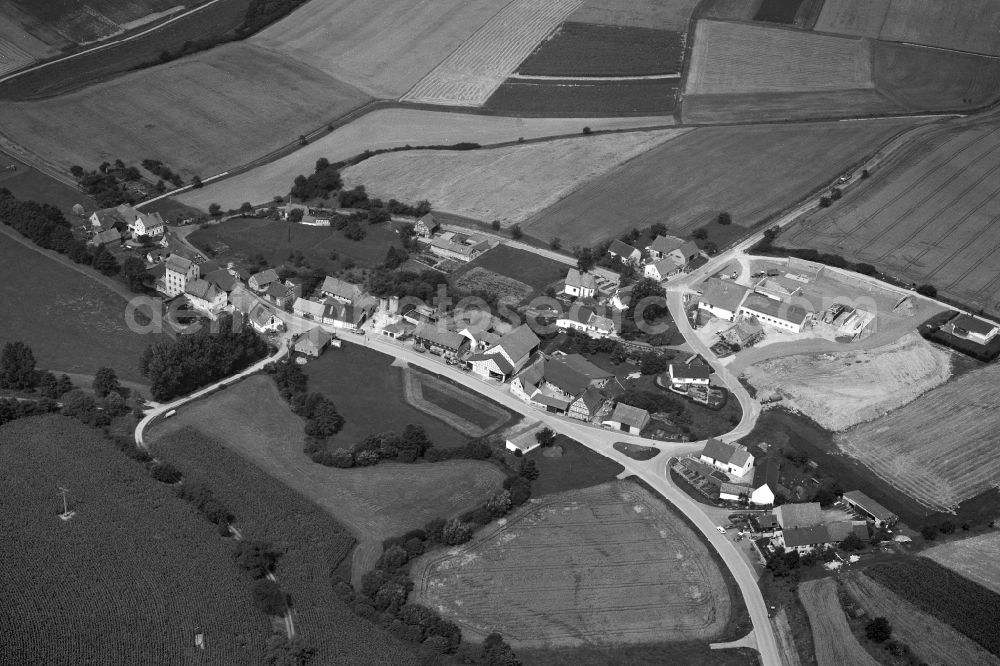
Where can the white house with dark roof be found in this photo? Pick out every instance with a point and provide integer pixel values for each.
(625, 253)
(308, 309)
(178, 271)
(785, 316)
(341, 290)
(804, 539)
(764, 487)
(683, 252)
(263, 320)
(454, 246)
(684, 376)
(511, 353)
(721, 298)
(426, 225)
(580, 285)
(205, 296)
(347, 315)
(627, 418)
(563, 384)
(973, 329)
(439, 340)
(313, 342)
(730, 458)
(260, 281)
(584, 319)
(663, 269)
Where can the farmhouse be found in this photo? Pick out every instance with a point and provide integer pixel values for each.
(523, 442)
(107, 218)
(663, 269)
(974, 329)
(584, 319)
(454, 246)
(511, 353)
(341, 290)
(439, 340)
(805, 514)
(869, 508)
(479, 334)
(399, 330)
(685, 376)
(785, 316)
(178, 271)
(110, 237)
(259, 281)
(205, 296)
(580, 285)
(628, 419)
(804, 539)
(721, 298)
(263, 320)
(313, 342)
(564, 384)
(730, 458)
(426, 226)
(341, 315)
(222, 279)
(765, 483)
(308, 309)
(683, 252)
(624, 253)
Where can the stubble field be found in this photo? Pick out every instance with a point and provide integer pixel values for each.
(585, 49)
(686, 182)
(842, 389)
(834, 643)
(570, 98)
(975, 558)
(941, 448)
(931, 218)
(549, 576)
(508, 184)
(659, 14)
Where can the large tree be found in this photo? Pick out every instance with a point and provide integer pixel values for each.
(105, 382)
(17, 366)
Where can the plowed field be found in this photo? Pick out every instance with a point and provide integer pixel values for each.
(835, 644)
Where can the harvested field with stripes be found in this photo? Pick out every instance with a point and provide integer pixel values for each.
(941, 448)
(604, 565)
(470, 74)
(686, 182)
(464, 411)
(508, 184)
(741, 58)
(931, 219)
(921, 79)
(659, 14)
(863, 18)
(834, 643)
(975, 558)
(12, 57)
(570, 98)
(584, 49)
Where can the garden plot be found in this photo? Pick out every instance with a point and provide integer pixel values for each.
(834, 643)
(475, 69)
(975, 558)
(509, 291)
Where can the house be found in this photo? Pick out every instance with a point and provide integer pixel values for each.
(566, 384)
(259, 281)
(308, 309)
(222, 279)
(765, 483)
(869, 508)
(479, 332)
(743, 333)
(804, 539)
(785, 316)
(684, 376)
(147, 224)
(313, 341)
(107, 218)
(520, 443)
(591, 404)
(622, 297)
(341, 290)
(732, 492)
(349, 315)
(426, 226)
(662, 269)
(804, 514)
(205, 296)
(454, 246)
(721, 298)
(507, 356)
(179, 270)
(628, 419)
(580, 285)
(110, 237)
(584, 319)
(625, 253)
(779, 288)
(400, 330)
(973, 329)
(683, 252)
(263, 320)
(842, 529)
(157, 255)
(730, 458)
(438, 340)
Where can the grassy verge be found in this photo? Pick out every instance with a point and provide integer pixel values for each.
(577, 467)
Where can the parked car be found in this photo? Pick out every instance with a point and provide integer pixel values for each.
(722, 530)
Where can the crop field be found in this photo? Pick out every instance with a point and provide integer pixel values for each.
(586, 49)
(834, 643)
(28, 183)
(573, 98)
(941, 448)
(930, 219)
(276, 240)
(773, 106)
(63, 22)
(863, 18)
(508, 291)
(529, 268)
(71, 322)
(312, 545)
(686, 182)
(658, 14)
(921, 79)
(470, 73)
(975, 558)
(377, 502)
(382, 47)
(778, 11)
(741, 58)
(546, 577)
(391, 128)
(462, 410)
(843, 389)
(931, 640)
(508, 184)
(12, 57)
(217, 126)
(12, 31)
(129, 579)
(967, 607)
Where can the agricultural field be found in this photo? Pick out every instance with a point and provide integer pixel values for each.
(842, 389)
(569, 465)
(834, 643)
(30, 184)
(62, 23)
(586, 49)
(706, 170)
(739, 58)
(461, 409)
(71, 322)
(772, 106)
(941, 448)
(730, 10)
(920, 79)
(375, 503)
(975, 558)
(931, 640)
(129, 579)
(508, 184)
(544, 578)
(800, 13)
(528, 268)
(509, 291)
(965, 606)
(929, 219)
(240, 239)
(658, 14)
(862, 18)
(313, 547)
(381, 47)
(214, 129)
(470, 73)
(392, 128)
(573, 98)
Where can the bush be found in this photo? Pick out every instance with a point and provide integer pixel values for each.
(454, 533)
(824, 202)
(164, 472)
(268, 597)
(928, 532)
(927, 290)
(724, 218)
(256, 557)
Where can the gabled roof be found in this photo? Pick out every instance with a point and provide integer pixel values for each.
(502, 364)
(519, 343)
(128, 213)
(974, 324)
(766, 474)
(667, 265)
(222, 279)
(178, 264)
(689, 249)
(260, 315)
(277, 290)
(798, 515)
(551, 401)
(869, 505)
(348, 313)
(314, 308)
(401, 326)
(805, 536)
(439, 336)
(761, 304)
(242, 300)
(265, 277)
(665, 244)
(202, 289)
(841, 529)
(583, 366)
(533, 373)
(621, 249)
(341, 289)
(108, 217)
(682, 371)
(716, 449)
(723, 294)
(429, 221)
(315, 338)
(565, 378)
(594, 399)
(574, 278)
(744, 330)
(630, 416)
(108, 236)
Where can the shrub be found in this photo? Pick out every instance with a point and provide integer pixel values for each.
(268, 597)
(164, 472)
(928, 290)
(824, 202)
(455, 532)
(499, 505)
(256, 557)
(878, 630)
(724, 218)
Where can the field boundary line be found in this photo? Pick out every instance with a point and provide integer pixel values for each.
(635, 77)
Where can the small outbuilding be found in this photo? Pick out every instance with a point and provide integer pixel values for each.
(870, 509)
(313, 342)
(628, 419)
